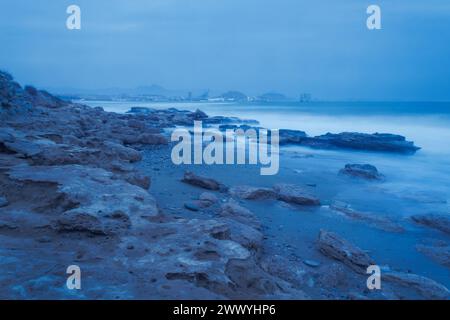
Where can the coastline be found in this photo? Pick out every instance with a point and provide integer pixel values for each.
(75, 180)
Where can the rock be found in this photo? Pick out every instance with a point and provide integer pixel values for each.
(202, 182)
(333, 275)
(291, 136)
(333, 246)
(191, 205)
(3, 201)
(383, 142)
(198, 115)
(252, 193)
(365, 171)
(312, 263)
(89, 209)
(426, 287)
(436, 221)
(119, 151)
(294, 194)
(373, 219)
(234, 211)
(208, 197)
(141, 110)
(206, 200)
(138, 179)
(438, 252)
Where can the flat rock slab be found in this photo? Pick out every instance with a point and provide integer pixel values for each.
(202, 182)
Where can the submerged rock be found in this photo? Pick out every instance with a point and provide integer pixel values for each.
(436, 221)
(202, 182)
(372, 218)
(365, 171)
(333, 246)
(252, 193)
(294, 194)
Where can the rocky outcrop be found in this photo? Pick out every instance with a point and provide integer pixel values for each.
(202, 182)
(294, 194)
(371, 218)
(365, 171)
(435, 221)
(379, 142)
(333, 246)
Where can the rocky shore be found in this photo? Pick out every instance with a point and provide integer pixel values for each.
(71, 193)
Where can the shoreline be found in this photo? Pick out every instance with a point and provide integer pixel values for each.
(75, 183)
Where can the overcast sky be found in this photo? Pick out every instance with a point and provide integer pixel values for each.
(291, 46)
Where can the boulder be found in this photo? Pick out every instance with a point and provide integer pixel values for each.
(333, 246)
(365, 171)
(294, 194)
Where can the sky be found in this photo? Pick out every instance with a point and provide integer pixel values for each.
(322, 47)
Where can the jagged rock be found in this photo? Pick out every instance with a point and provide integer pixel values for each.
(291, 136)
(333, 246)
(92, 211)
(202, 182)
(294, 194)
(365, 171)
(439, 252)
(374, 219)
(252, 193)
(384, 142)
(428, 288)
(436, 221)
(3, 201)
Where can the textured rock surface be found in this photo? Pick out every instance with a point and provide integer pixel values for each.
(294, 194)
(365, 171)
(333, 246)
(436, 221)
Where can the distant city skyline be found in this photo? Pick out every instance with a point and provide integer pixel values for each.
(289, 46)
